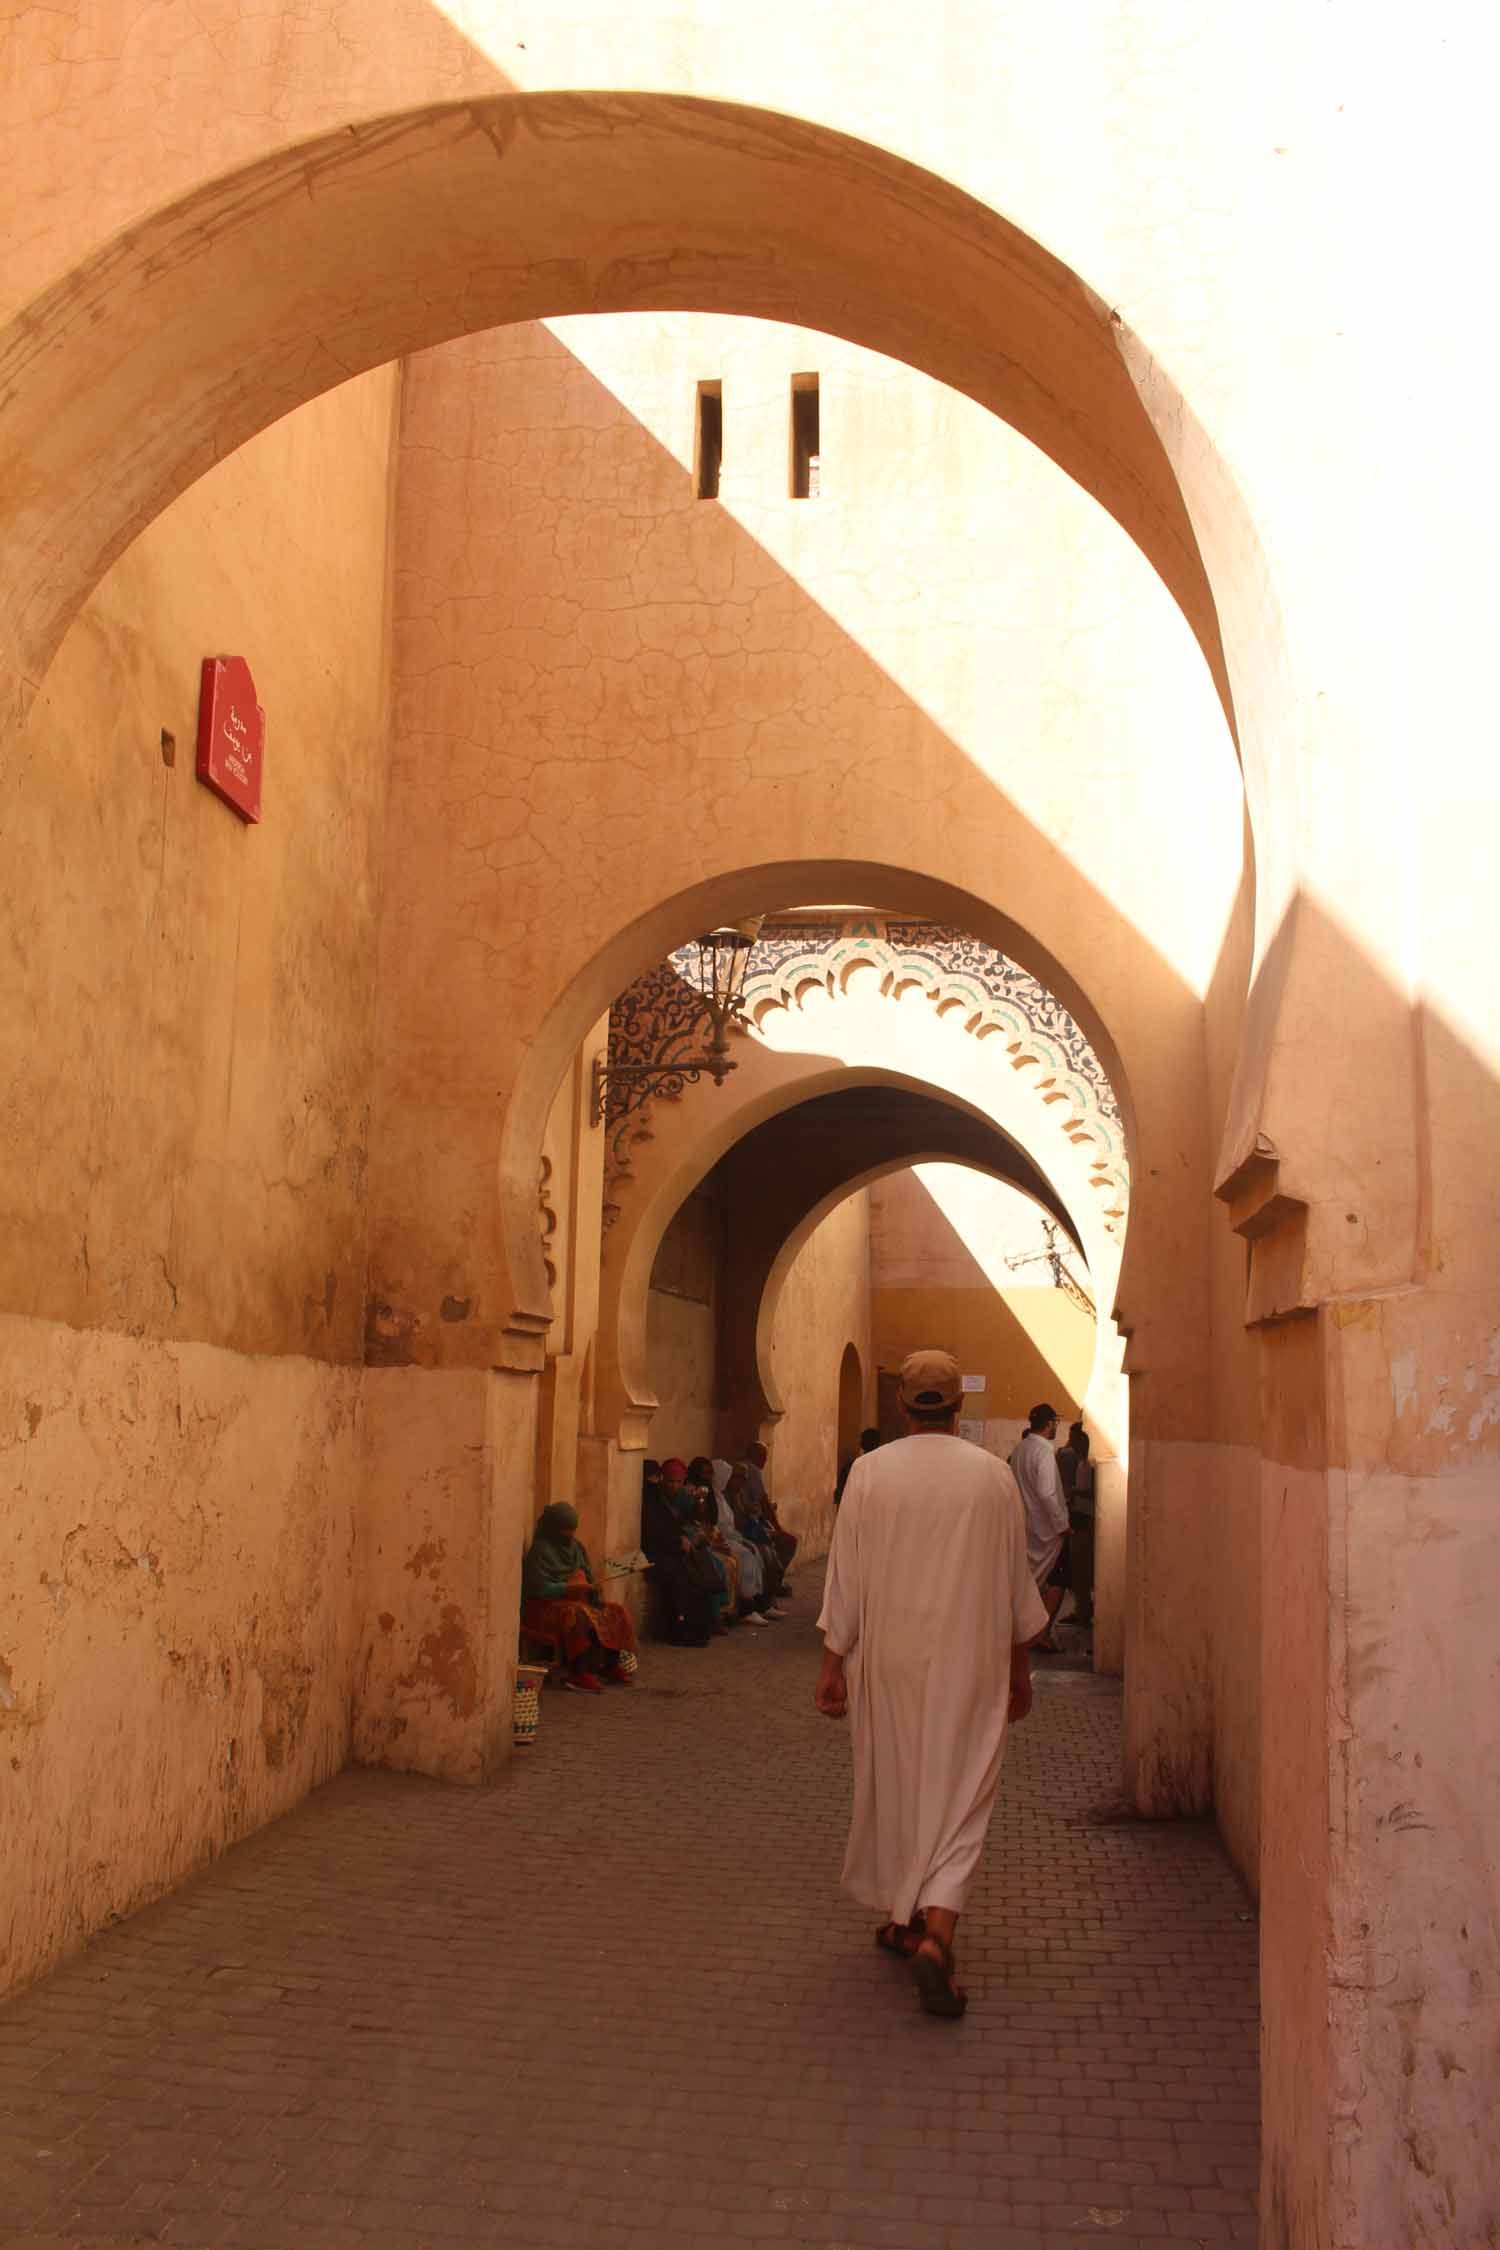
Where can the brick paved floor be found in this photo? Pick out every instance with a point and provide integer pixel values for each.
(618, 1999)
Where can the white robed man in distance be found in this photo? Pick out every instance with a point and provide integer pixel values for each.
(928, 1614)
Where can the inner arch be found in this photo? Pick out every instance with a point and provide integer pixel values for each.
(653, 937)
(804, 1157)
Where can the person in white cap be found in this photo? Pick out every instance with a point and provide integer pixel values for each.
(928, 1614)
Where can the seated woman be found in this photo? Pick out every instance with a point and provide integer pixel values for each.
(669, 1550)
(559, 1596)
(706, 1567)
(784, 1541)
(753, 1527)
(755, 1586)
(705, 1515)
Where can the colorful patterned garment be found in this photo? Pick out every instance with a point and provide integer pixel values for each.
(559, 1596)
(581, 1629)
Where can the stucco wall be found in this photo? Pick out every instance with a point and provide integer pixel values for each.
(682, 1327)
(185, 1030)
(191, 1133)
(176, 1622)
(682, 1339)
(1231, 1473)
(940, 1239)
(825, 1306)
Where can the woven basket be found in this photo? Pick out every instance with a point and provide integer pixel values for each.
(528, 1704)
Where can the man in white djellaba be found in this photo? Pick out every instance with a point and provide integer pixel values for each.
(928, 1614)
(1034, 1466)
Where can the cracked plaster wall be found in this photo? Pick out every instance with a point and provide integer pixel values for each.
(176, 1614)
(185, 1033)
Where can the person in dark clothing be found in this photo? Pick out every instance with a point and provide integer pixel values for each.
(868, 1440)
(784, 1541)
(754, 1527)
(669, 1551)
(1077, 1473)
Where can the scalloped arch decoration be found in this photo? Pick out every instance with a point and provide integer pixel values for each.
(989, 996)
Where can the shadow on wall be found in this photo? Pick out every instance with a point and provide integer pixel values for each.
(776, 731)
(1030, 1340)
(683, 1315)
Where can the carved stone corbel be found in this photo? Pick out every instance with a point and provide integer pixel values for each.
(1274, 1224)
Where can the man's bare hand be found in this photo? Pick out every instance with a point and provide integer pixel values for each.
(831, 1695)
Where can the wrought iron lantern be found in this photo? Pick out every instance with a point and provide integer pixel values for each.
(723, 958)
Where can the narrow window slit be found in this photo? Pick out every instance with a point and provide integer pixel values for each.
(708, 444)
(807, 461)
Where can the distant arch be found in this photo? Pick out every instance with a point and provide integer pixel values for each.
(851, 1401)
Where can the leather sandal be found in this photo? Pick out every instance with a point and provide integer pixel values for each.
(901, 1938)
(936, 1990)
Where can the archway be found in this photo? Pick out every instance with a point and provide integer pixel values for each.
(749, 890)
(787, 1168)
(1168, 1245)
(413, 237)
(970, 1101)
(851, 1402)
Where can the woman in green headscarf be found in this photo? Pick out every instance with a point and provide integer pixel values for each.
(559, 1596)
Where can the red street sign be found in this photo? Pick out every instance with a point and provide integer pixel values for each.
(231, 734)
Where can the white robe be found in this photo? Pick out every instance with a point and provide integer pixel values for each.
(927, 1592)
(1036, 1472)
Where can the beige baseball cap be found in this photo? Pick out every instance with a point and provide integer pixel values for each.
(930, 1379)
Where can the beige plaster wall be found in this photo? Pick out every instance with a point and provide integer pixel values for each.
(682, 1327)
(824, 1307)
(572, 1195)
(186, 1021)
(939, 1241)
(177, 1630)
(682, 1341)
(449, 1498)
(189, 1141)
(1028, 1344)
(1398, 1803)
(1231, 1475)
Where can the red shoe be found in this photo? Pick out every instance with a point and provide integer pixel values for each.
(584, 1683)
(618, 1679)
